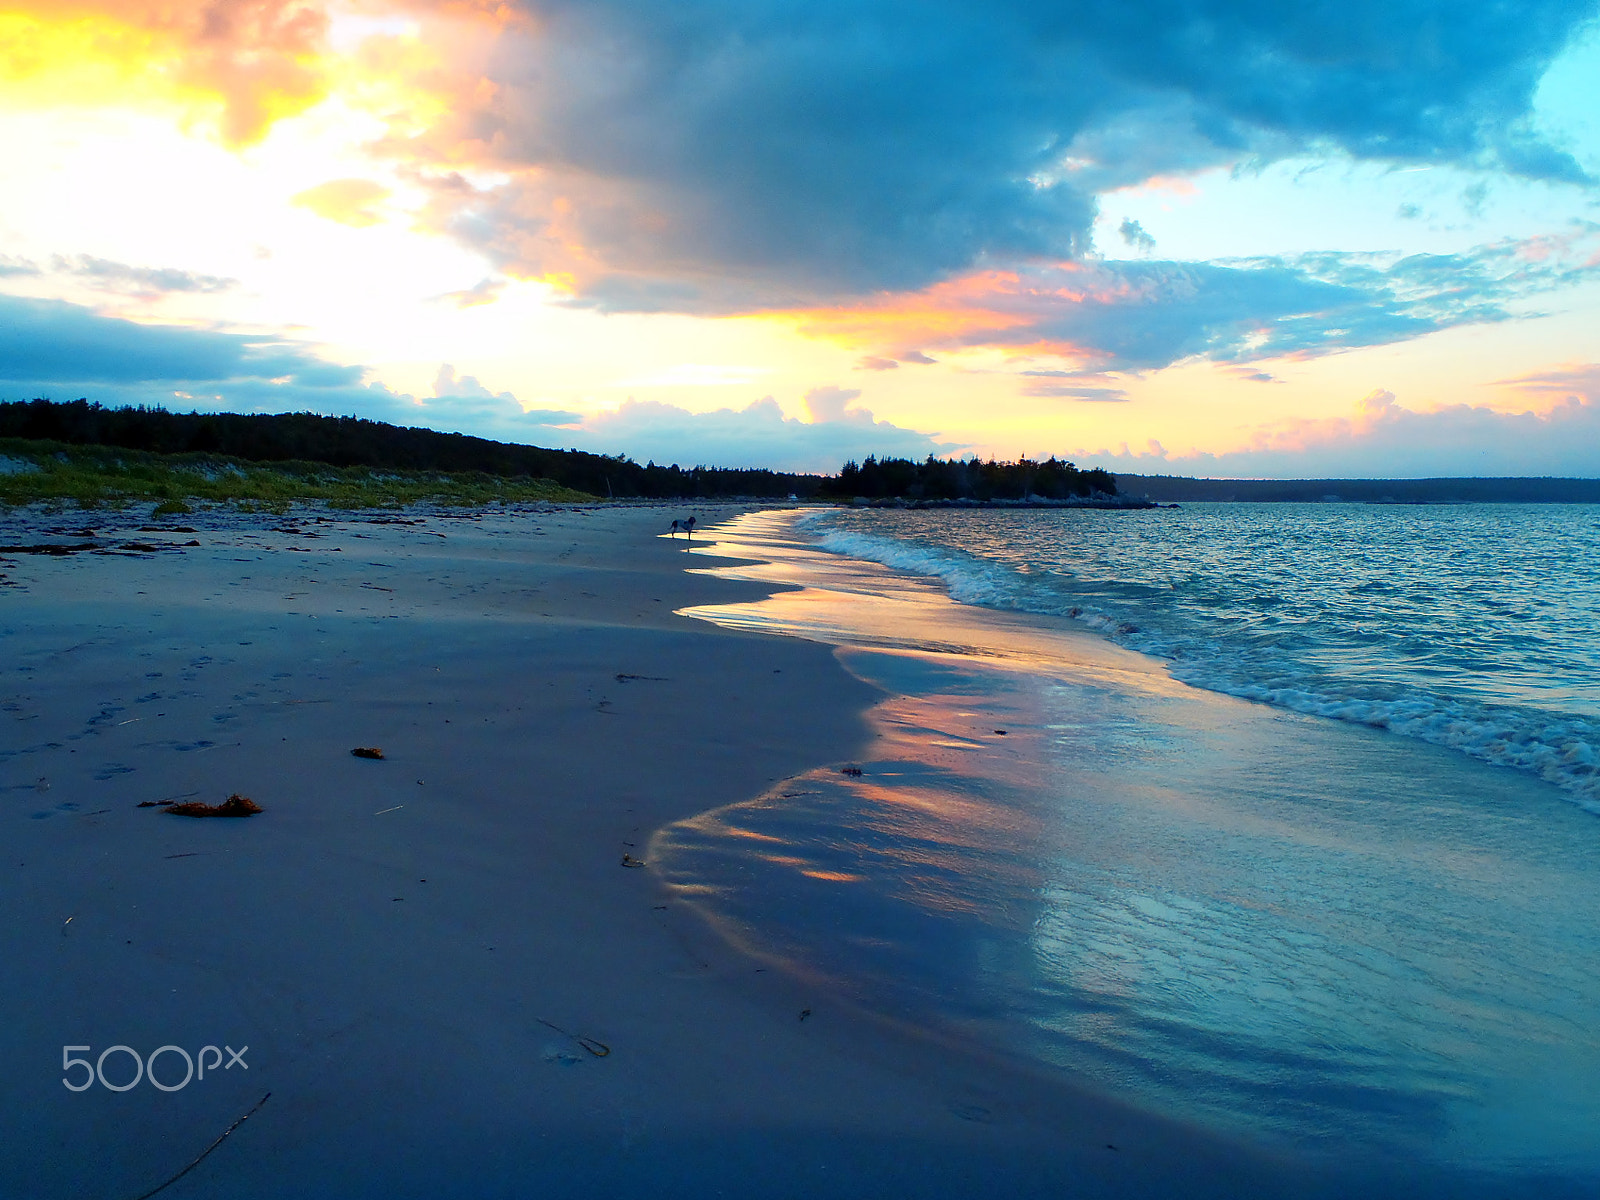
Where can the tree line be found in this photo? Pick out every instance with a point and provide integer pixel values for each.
(357, 442)
(973, 479)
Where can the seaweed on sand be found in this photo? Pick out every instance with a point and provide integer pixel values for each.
(234, 806)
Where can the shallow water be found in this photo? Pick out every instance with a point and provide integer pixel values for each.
(1298, 929)
(1472, 626)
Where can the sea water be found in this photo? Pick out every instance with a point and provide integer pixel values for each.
(1278, 818)
(1473, 626)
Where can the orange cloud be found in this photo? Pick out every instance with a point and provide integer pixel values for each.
(971, 310)
(242, 63)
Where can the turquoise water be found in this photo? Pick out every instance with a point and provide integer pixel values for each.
(1349, 937)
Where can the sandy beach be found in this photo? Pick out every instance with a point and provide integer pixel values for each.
(452, 975)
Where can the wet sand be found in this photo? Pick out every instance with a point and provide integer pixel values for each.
(426, 954)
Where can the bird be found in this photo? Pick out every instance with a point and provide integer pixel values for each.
(687, 525)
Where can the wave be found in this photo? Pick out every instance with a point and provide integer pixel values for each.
(1557, 747)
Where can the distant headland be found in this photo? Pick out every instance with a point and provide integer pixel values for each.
(1168, 489)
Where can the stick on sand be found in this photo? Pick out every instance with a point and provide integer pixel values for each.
(164, 1186)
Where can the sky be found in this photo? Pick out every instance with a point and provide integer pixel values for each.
(1198, 237)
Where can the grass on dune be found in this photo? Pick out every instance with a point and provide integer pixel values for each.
(54, 473)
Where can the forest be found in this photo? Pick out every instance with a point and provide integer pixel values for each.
(954, 479)
(356, 442)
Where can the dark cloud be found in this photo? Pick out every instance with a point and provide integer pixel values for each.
(11, 265)
(714, 155)
(54, 341)
(62, 351)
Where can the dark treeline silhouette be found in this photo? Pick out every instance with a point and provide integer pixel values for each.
(354, 442)
(973, 479)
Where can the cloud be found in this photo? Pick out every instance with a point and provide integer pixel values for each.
(1134, 234)
(352, 202)
(52, 341)
(62, 351)
(726, 155)
(445, 383)
(1092, 395)
(1094, 387)
(12, 265)
(1383, 439)
(485, 291)
(831, 403)
(463, 401)
(1145, 315)
(140, 281)
(1581, 381)
(877, 362)
(757, 435)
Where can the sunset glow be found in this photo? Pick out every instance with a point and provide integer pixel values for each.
(774, 235)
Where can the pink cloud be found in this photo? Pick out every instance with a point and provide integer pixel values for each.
(1381, 438)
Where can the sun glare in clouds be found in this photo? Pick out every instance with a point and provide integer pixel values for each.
(234, 68)
(584, 206)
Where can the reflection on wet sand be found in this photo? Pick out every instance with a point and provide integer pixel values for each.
(1301, 929)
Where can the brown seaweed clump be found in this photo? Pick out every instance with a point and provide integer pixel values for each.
(234, 806)
(367, 752)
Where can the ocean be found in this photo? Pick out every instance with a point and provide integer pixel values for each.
(1283, 819)
(1470, 626)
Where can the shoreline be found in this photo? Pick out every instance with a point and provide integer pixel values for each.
(1020, 760)
(421, 953)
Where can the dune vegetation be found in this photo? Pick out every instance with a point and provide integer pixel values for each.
(55, 473)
